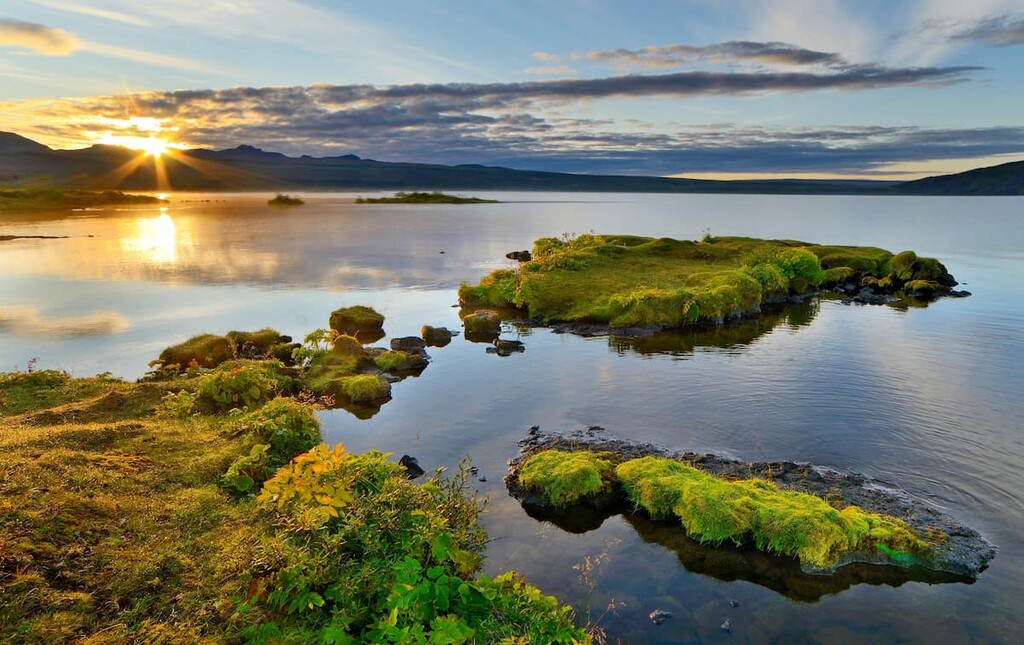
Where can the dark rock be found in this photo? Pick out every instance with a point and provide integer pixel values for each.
(727, 626)
(436, 336)
(734, 603)
(409, 345)
(658, 616)
(412, 467)
(519, 256)
(506, 347)
(482, 478)
(953, 293)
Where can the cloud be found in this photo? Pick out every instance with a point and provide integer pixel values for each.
(1001, 31)
(96, 12)
(546, 57)
(49, 41)
(553, 70)
(770, 53)
(27, 321)
(521, 124)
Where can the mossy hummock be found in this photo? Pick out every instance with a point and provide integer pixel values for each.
(629, 281)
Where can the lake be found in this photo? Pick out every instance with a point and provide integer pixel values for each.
(929, 399)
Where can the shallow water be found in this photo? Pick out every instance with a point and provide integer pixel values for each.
(927, 398)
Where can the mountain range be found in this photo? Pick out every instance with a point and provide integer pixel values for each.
(24, 162)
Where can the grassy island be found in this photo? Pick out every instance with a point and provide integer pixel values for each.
(624, 281)
(52, 198)
(286, 200)
(716, 510)
(199, 505)
(424, 198)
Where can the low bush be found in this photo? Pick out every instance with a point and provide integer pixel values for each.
(241, 384)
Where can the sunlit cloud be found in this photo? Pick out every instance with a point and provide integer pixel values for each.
(546, 57)
(553, 70)
(48, 41)
(95, 12)
(26, 320)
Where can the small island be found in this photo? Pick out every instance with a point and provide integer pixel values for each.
(424, 198)
(286, 200)
(54, 198)
(625, 281)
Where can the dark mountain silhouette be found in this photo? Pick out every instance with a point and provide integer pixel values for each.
(25, 162)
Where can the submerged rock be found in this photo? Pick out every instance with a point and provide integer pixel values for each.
(506, 347)
(483, 325)
(658, 616)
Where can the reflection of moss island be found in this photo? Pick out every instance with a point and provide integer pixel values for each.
(424, 198)
(716, 510)
(127, 513)
(624, 280)
(45, 198)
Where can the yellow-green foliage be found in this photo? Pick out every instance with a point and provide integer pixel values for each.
(353, 320)
(275, 434)
(242, 383)
(627, 280)
(25, 391)
(566, 477)
(253, 343)
(118, 529)
(364, 387)
(786, 522)
(205, 350)
(861, 260)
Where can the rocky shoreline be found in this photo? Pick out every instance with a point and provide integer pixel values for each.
(963, 552)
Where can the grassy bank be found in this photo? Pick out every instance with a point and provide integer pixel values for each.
(424, 198)
(202, 508)
(638, 281)
(52, 198)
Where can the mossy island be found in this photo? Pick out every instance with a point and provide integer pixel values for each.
(199, 504)
(822, 518)
(424, 198)
(624, 281)
(286, 200)
(54, 198)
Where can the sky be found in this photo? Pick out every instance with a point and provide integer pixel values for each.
(863, 89)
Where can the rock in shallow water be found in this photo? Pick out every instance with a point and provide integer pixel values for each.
(658, 616)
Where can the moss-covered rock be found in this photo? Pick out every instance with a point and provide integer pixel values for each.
(482, 322)
(924, 288)
(563, 478)
(255, 344)
(363, 387)
(836, 275)
(359, 321)
(396, 361)
(346, 345)
(436, 336)
(205, 350)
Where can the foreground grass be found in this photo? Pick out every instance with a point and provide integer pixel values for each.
(716, 510)
(632, 281)
(203, 508)
(424, 198)
(50, 198)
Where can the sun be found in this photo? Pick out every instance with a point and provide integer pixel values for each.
(155, 147)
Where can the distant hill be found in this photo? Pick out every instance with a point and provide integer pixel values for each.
(25, 162)
(1005, 179)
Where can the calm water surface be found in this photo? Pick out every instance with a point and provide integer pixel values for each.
(927, 398)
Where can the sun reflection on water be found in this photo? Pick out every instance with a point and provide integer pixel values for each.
(157, 238)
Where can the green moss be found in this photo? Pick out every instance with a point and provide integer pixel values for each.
(781, 521)
(863, 260)
(923, 287)
(395, 361)
(836, 275)
(205, 350)
(253, 344)
(566, 477)
(345, 345)
(364, 387)
(356, 320)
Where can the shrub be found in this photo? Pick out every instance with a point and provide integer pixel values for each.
(287, 426)
(784, 270)
(564, 478)
(241, 384)
(361, 554)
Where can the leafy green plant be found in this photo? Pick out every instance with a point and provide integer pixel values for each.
(240, 384)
